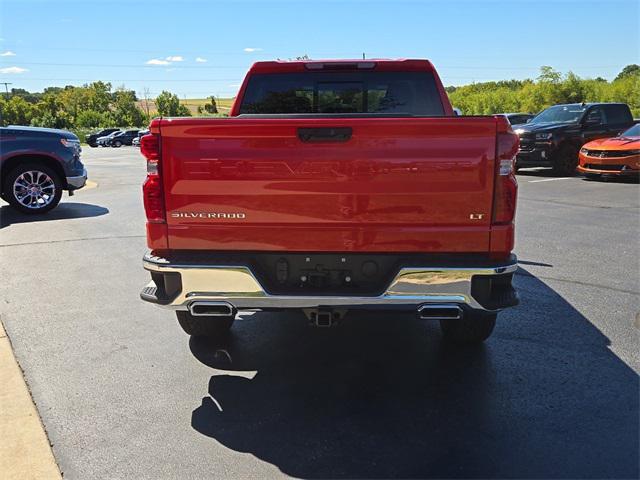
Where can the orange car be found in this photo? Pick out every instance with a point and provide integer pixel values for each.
(612, 156)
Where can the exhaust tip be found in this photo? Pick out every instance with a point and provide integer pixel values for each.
(440, 312)
(211, 309)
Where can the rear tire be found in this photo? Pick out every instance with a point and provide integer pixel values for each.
(565, 160)
(116, 144)
(471, 328)
(205, 326)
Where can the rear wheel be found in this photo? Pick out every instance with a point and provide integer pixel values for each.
(116, 144)
(565, 160)
(205, 326)
(32, 188)
(471, 328)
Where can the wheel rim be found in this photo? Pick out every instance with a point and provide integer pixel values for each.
(34, 189)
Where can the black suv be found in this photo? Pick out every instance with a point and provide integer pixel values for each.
(124, 138)
(91, 139)
(553, 137)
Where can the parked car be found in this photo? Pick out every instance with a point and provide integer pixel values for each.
(612, 156)
(93, 138)
(519, 118)
(554, 137)
(36, 165)
(104, 141)
(367, 194)
(122, 138)
(136, 141)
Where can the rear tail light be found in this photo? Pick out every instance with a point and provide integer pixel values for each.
(506, 186)
(152, 190)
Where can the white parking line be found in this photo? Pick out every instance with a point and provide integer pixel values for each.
(550, 179)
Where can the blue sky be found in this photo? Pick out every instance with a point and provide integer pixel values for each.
(201, 48)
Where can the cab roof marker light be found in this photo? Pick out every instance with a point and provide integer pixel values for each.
(339, 65)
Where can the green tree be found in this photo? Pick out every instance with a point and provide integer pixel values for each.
(168, 105)
(629, 70)
(125, 111)
(16, 111)
(99, 96)
(549, 75)
(93, 119)
(211, 107)
(28, 96)
(50, 110)
(73, 101)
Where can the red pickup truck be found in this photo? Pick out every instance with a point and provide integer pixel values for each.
(335, 185)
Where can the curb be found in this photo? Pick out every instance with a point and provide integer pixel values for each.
(25, 452)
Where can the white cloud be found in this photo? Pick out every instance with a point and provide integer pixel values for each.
(13, 70)
(174, 58)
(8, 53)
(201, 60)
(155, 61)
(252, 49)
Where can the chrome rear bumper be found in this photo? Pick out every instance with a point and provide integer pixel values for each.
(237, 285)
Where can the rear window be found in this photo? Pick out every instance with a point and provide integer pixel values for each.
(400, 93)
(617, 114)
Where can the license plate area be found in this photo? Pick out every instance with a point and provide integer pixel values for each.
(325, 274)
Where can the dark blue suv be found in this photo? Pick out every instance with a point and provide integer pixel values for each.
(36, 165)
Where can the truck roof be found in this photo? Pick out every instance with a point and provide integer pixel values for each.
(379, 64)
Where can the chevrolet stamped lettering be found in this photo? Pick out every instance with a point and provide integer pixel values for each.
(207, 215)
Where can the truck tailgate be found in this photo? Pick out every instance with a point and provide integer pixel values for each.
(387, 184)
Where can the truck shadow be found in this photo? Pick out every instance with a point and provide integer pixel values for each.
(382, 397)
(65, 210)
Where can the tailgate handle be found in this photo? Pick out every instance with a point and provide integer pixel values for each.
(324, 134)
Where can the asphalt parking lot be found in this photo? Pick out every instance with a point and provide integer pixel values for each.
(123, 393)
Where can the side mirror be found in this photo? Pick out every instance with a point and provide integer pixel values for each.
(457, 112)
(528, 120)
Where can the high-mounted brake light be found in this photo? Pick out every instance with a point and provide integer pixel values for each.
(153, 193)
(339, 65)
(506, 185)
